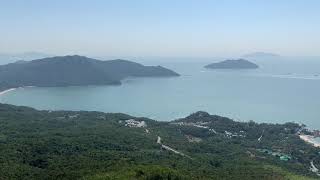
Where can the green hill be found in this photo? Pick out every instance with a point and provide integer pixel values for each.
(93, 145)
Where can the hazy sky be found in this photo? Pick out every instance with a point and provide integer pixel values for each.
(160, 27)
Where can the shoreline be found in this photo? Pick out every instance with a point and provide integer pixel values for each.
(6, 91)
(12, 89)
(309, 139)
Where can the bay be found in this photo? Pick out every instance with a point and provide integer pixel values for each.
(281, 90)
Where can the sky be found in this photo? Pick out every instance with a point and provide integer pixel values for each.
(177, 28)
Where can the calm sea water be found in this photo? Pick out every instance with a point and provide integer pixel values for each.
(282, 90)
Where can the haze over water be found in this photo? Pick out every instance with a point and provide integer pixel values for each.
(281, 90)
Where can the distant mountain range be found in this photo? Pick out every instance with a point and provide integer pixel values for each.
(260, 55)
(10, 57)
(232, 64)
(74, 71)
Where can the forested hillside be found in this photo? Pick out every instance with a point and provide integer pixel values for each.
(93, 145)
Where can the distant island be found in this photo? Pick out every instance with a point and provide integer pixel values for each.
(94, 145)
(74, 71)
(260, 55)
(233, 64)
(12, 57)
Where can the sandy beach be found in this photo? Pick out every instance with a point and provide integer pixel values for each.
(309, 139)
(6, 91)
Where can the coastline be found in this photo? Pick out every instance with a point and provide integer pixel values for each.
(6, 91)
(309, 139)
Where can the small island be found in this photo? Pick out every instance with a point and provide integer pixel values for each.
(233, 64)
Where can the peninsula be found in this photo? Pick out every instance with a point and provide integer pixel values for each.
(74, 71)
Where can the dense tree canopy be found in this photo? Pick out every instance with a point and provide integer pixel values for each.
(93, 145)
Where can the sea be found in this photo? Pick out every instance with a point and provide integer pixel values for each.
(283, 89)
